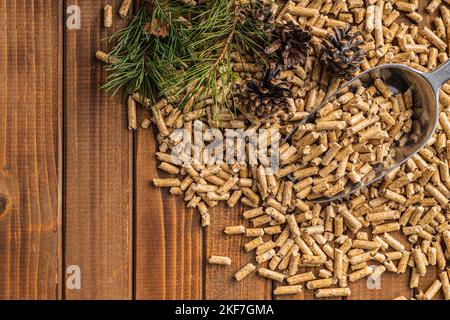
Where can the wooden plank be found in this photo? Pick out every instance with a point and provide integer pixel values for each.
(169, 239)
(30, 149)
(169, 246)
(219, 280)
(99, 165)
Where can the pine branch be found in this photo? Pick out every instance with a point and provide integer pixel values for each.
(194, 60)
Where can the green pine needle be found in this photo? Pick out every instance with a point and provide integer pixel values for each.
(194, 59)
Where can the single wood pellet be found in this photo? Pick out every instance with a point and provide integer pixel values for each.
(219, 260)
(284, 290)
(125, 8)
(107, 16)
(132, 117)
(244, 272)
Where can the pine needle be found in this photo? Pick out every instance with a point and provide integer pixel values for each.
(194, 60)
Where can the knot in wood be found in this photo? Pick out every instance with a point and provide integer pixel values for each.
(5, 203)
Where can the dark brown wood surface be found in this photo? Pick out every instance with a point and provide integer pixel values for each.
(75, 184)
(30, 149)
(169, 239)
(219, 281)
(98, 165)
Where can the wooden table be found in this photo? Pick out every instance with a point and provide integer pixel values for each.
(79, 181)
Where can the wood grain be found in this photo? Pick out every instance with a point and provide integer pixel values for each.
(169, 246)
(219, 280)
(99, 163)
(169, 239)
(30, 149)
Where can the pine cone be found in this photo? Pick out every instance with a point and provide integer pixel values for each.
(266, 17)
(342, 55)
(265, 98)
(292, 46)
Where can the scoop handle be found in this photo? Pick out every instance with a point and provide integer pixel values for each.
(438, 77)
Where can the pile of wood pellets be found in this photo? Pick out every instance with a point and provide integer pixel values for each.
(352, 133)
(399, 224)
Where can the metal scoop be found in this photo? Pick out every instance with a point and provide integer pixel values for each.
(399, 78)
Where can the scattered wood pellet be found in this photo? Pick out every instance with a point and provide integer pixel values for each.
(132, 116)
(106, 58)
(244, 272)
(277, 276)
(284, 290)
(145, 123)
(107, 16)
(231, 230)
(219, 260)
(165, 183)
(432, 290)
(332, 292)
(125, 8)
